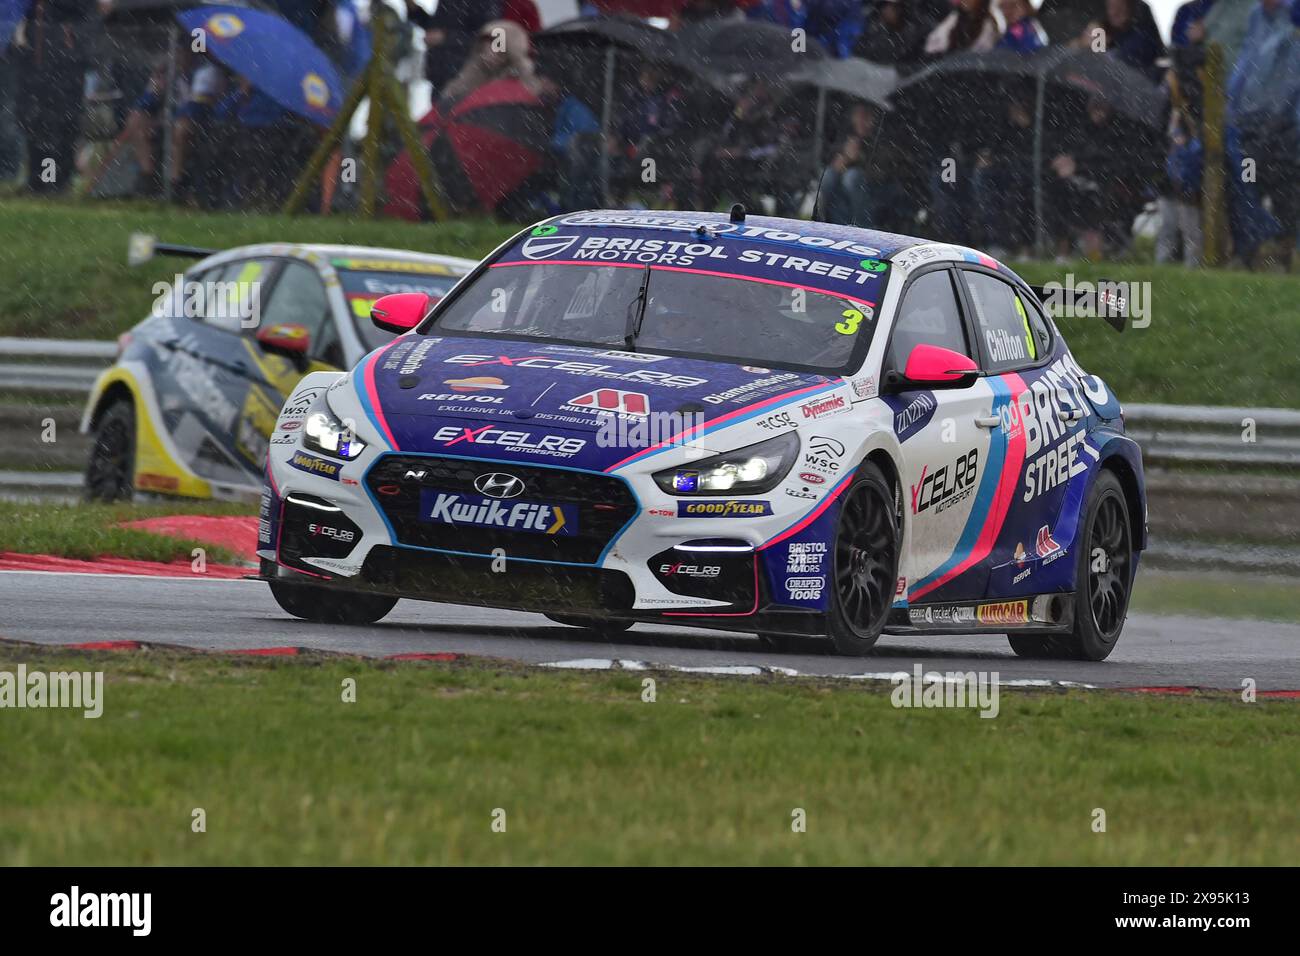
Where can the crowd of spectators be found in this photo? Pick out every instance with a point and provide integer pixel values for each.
(231, 145)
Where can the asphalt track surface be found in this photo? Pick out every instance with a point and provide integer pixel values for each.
(56, 608)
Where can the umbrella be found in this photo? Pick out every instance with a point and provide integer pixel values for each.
(146, 11)
(975, 87)
(640, 8)
(626, 33)
(11, 14)
(607, 50)
(853, 77)
(273, 55)
(484, 148)
(726, 48)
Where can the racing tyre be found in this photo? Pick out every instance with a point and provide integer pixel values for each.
(598, 625)
(110, 470)
(323, 606)
(1104, 572)
(865, 563)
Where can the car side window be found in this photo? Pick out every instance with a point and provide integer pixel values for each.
(1012, 334)
(232, 294)
(929, 315)
(299, 298)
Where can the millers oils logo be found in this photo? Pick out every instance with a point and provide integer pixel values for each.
(1007, 612)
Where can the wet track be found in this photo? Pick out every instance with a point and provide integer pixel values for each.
(226, 615)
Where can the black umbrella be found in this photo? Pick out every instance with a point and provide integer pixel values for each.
(721, 49)
(607, 51)
(626, 33)
(854, 78)
(967, 94)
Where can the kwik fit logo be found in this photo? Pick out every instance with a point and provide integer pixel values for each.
(452, 508)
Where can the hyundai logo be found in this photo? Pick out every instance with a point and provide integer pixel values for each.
(498, 485)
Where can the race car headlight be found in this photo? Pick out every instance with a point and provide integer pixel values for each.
(746, 471)
(324, 433)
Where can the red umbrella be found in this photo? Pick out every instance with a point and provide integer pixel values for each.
(483, 149)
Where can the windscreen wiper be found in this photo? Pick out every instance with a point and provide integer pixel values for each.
(636, 313)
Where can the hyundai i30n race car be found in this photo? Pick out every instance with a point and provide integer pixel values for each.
(189, 405)
(787, 428)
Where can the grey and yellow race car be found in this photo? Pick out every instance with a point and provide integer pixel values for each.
(189, 405)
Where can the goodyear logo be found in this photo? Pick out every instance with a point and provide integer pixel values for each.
(316, 466)
(315, 90)
(723, 509)
(223, 26)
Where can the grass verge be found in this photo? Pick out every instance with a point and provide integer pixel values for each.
(1222, 594)
(69, 277)
(588, 773)
(88, 531)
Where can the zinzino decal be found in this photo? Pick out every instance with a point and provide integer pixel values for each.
(948, 485)
(510, 440)
(1054, 446)
(451, 508)
(723, 509)
(915, 415)
(593, 369)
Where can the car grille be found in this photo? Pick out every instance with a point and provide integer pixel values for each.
(405, 485)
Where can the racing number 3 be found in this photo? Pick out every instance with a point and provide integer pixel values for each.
(852, 319)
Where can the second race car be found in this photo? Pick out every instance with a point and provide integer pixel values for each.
(188, 407)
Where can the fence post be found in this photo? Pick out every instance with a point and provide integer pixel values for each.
(1214, 194)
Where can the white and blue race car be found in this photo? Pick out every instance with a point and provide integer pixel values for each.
(785, 428)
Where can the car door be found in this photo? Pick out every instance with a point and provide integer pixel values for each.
(945, 447)
(1044, 430)
(207, 370)
(296, 307)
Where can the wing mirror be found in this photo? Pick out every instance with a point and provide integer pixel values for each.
(932, 366)
(399, 312)
(286, 338)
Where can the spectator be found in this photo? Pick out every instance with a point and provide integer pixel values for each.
(836, 24)
(1130, 34)
(501, 50)
(1180, 201)
(752, 155)
(1100, 181)
(524, 13)
(1187, 47)
(52, 72)
(846, 195)
(1024, 33)
(969, 27)
(1262, 95)
(449, 34)
(1002, 170)
(652, 129)
(893, 35)
(576, 149)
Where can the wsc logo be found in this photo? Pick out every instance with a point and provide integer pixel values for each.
(547, 247)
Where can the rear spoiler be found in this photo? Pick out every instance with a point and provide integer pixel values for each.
(1102, 299)
(142, 247)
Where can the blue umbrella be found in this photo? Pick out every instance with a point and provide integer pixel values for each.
(11, 14)
(273, 55)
